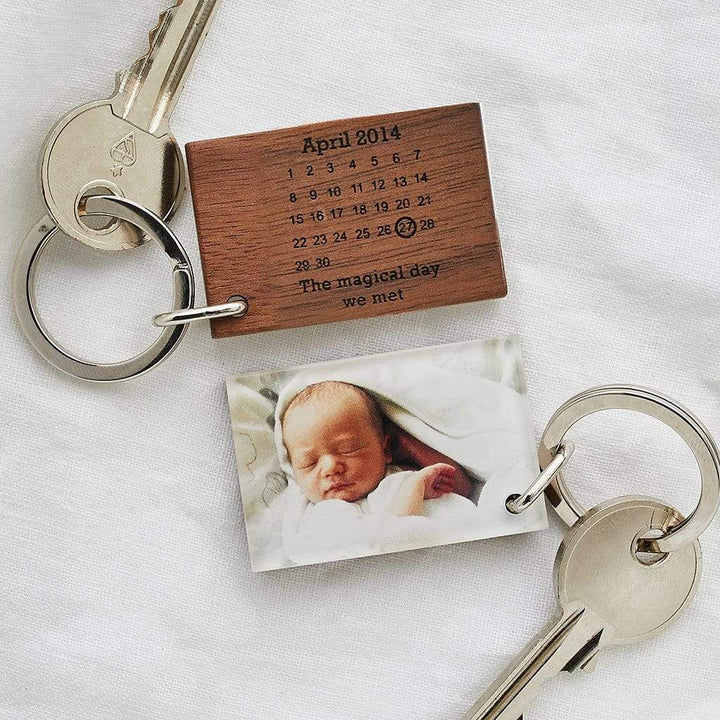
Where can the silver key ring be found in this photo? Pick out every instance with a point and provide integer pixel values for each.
(35, 243)
(680, 419)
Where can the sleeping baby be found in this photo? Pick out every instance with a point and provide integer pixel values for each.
(341, 457)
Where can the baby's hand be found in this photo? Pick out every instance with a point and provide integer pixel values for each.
(439, 480)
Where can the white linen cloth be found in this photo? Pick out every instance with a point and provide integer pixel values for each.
(125, 586)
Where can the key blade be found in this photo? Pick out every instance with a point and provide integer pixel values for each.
(567, 644)
(147, 93)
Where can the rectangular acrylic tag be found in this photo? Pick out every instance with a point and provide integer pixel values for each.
(347, 219)
(383, 453)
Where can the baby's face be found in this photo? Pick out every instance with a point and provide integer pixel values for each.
(335, 451)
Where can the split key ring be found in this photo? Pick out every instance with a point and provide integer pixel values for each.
(554, 450)
(174, 324)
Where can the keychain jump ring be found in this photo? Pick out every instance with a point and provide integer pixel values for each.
(236, 306)
(690, 429)
(519, 503)
(32, 248)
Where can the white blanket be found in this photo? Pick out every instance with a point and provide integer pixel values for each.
(335, 529)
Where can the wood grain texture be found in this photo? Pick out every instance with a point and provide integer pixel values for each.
(347, 219)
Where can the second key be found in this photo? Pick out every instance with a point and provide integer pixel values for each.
(123, 146)
(609, 593)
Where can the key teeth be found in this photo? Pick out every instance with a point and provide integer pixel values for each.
(120, 76)
(590, 664)
(161, 20)
(152, 37)
(586, 659)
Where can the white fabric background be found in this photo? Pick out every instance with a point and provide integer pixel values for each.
(125, 586)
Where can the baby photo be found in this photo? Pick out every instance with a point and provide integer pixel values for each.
(383, 453)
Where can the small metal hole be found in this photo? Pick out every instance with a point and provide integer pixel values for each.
(510, 499)
(648, 557)
(99, 223)
(240, 298)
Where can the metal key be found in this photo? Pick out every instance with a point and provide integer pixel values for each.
(123, 145)
(608, 596)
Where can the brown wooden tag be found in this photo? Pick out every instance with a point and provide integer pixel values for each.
(347, 219)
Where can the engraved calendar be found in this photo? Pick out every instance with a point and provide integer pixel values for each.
(347, 219)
